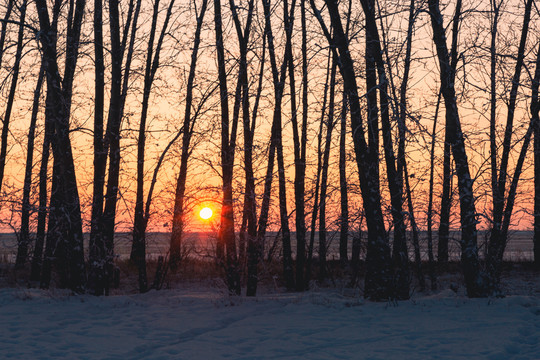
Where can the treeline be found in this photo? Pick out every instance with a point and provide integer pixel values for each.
(384, 118)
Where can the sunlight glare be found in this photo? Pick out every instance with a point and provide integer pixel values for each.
(205, 213)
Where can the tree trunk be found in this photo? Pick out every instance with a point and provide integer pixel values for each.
(60, 91)
(24, 239)
(430, 197)
(97, 249)
(496, 249)
(25, 211)
(446, 199)
(119, 86)
(5, 126)
(474, 278)
(242, 100)
(497, 241)
(37, 259)
(300, 163)
(138, 250)
(228, 144)
(378, 283)
(324, 176)
(395, 182)
(536, 127)
(315, 211)
(344, 215)
(178, 215)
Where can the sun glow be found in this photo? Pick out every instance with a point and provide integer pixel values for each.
(205, 213)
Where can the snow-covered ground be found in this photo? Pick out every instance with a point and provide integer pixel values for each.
(197, 322)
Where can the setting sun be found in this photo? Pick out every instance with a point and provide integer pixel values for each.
(205, 213)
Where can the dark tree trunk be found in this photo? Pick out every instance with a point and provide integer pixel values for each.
(60, 91)
(536, 127)
(253, 244)
(242, 100)
(474, 278)
(5, 124)
(278, 93)
(344, 216)
(315, 211)
(355, 254)
(227, 238)
(446, 202)
(446, 199)
(119, 87)
(430, 197)
(496, 249)
(493, 102)
(288, 271)
(97, 249)
(37, 258)
(395, 183)
(138, 250)
(276, 147)
(300, 163)
(330, 123)
(378, 283)
(403, 172)
(53, 246)
(187, 132)
(24, 238)
(502, 213)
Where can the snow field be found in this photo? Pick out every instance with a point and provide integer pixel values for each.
(197, 323)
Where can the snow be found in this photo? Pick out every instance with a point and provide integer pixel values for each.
(198, 322)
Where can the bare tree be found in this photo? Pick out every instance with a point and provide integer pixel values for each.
(446, 197)
(107, 141)
(395, 182)
(5, 124)
(378, 282)
(474, 277)
(242, 100)
(330, 123)
(502, 206)
(316, 202)
(22, 251)
(429, 214)
(535, 108)
(59, 91)
(300, 161)
(227, 238)
(187, 133)
(97, 248)
(138, 250)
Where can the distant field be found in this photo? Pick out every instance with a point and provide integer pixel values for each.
(202, 244)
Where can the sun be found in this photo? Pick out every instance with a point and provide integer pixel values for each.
(205, 213)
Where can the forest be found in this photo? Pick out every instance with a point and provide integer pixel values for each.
(383, 125)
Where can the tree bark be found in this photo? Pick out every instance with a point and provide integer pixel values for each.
(498, 238)
(474, 277)
(330, 123)
(60, 91)
(24, 239)
(446, 199)
(344, 215)
(378, 282)
(187, 132)
(138, 250)
(5, 124)
(119, 86)
(227, 237)
(395, 182)
(97, 249)
(430, 196)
